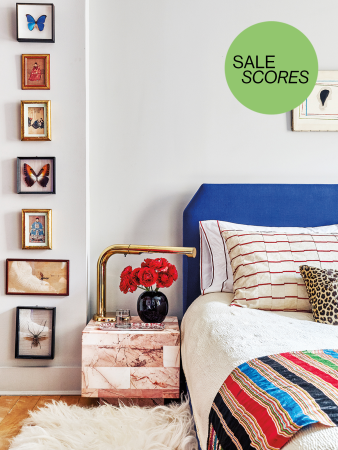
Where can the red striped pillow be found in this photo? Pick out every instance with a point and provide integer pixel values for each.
(266, 267)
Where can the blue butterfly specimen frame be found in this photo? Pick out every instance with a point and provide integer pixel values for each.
(35, 22)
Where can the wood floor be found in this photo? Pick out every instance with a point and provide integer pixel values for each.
(13, 410)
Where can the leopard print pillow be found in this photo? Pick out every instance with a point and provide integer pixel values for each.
(322, 288)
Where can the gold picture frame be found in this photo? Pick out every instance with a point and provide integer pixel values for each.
(35, 120)
(35, 71)
(37, 229)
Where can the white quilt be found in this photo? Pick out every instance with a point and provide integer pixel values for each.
(216, 338)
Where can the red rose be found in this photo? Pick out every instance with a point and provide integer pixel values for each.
(135, 276)
(126, 272)
(159, 264)
(128, 283)
(164, 280)
(124, 285)
(172, 272)
(132, 285)
(147, 276)
(146, 262)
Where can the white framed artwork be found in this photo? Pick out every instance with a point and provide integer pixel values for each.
(319, 112)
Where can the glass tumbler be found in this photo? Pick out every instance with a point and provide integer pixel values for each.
(123, 318)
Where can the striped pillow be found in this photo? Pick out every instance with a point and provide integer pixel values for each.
(266, 267)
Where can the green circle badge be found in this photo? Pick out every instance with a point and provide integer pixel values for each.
(271, 67)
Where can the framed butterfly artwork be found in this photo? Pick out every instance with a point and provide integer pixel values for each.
(35, 120)
(35, 175)
(37, 229)
(35, 22)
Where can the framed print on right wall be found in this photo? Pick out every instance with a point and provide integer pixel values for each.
(319, 112)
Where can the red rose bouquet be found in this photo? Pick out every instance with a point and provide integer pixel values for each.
(152, 272)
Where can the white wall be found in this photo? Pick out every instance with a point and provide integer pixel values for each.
(68, 145)
(163, 120)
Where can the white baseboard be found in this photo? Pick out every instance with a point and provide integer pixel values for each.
(40, 380)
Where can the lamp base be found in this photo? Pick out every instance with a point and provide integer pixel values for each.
(109, 317)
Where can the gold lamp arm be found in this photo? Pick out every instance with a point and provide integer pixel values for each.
(102, 315)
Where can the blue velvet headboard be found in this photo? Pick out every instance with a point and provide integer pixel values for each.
(292, 205)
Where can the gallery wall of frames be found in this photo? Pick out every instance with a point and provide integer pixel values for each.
(36, 176)
(38, 270)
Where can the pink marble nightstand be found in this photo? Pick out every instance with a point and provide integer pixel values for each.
(131, 364)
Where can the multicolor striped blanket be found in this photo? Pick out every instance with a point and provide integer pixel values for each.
(265, 401)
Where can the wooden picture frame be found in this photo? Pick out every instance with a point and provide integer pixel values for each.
(35, 332)
(35, 22)
(37, 277)
(35, 175)
(35, 72)
(37, 229)
(35, 120)
(319, 112)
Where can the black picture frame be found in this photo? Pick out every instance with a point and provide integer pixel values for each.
(20, 39)
(19, 188)
(36, 343)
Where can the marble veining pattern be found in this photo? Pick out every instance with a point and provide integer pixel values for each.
(127, 363)
(107, 377)
(156, 378)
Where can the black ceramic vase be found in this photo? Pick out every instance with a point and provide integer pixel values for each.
(152, 307)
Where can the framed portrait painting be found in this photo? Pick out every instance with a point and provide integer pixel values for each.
(37, 229)
(35, 332)
(319, 112)
(35, 120)
(35, 175)
(35, 22)
(37, 277)
(35, 72)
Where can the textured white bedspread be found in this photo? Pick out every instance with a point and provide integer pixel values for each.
(216, 338)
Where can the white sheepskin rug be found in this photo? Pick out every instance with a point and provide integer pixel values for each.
(61, 427)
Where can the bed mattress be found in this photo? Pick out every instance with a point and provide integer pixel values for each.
(216, 338)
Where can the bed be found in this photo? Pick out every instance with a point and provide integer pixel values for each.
(216, 338)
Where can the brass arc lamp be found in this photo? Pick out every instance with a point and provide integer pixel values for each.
(102, 315)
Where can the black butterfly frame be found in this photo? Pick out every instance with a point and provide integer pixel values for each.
(34, 39)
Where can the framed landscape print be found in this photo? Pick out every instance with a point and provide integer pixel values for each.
(37, 229)
(35, 175)
(35, 71)
(35, 120)
(37, 277)
(35, 22)
(35, 332)
(319, 112)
